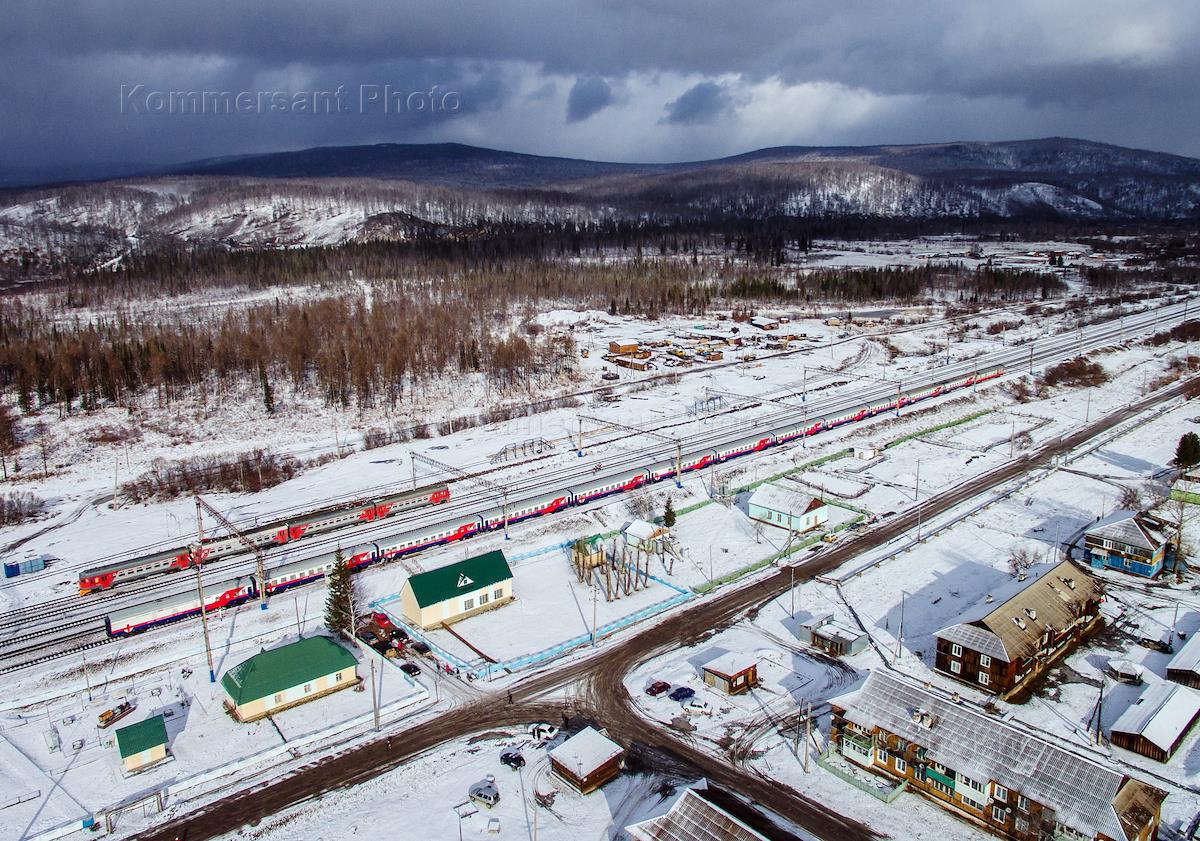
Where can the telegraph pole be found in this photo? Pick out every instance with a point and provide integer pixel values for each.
(374, 696)
(212, 673)
(807, 732)
(900, 630)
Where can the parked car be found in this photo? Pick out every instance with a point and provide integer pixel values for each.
(543, 731)
(695, 706)
(513, 759)
(410, 669)
(657, 688)
(420, 648)
(682, 693)
(382, 620)
(399, 634)
(485, 792)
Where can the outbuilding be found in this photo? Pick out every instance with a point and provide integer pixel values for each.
(1158, 721)
(732, 673)
(143, 744)
(623, 346)
(787, 508)
(453, 592)
(764, 323)
(1184, 667)
(587, 760)
(287, 676)
(643, 535)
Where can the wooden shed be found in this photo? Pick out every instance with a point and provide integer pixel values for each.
(1184, 667)
(288, 676)
(732, 673)
(587, 760)
(1158, 721)
(623, 346)
(143, 744)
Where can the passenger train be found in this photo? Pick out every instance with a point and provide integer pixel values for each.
(272, 534)
(293, 574)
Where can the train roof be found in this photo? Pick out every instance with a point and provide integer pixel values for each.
(116, 566)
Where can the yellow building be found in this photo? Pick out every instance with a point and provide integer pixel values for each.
(143, 744)
(287, 676)
(456, 591)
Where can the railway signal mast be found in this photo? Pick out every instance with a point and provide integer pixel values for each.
(260, 568)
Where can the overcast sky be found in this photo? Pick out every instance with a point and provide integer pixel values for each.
(611, 80)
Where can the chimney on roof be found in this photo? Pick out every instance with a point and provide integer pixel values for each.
(989, 599)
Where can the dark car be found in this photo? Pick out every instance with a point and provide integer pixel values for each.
(399, 634)
(657, 688)
(420, 647)
(383, 647)
(682, 693)
(513, 759)
(411, 669)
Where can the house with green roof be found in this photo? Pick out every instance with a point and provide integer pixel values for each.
(143, 744)
(284, 677)
(453, 592)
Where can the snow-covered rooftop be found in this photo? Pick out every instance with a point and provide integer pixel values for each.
(586, 751)
(1130, 528)
(1081, 791)
(730, 663)
(784, 500)
(1161, 714)
(641, 530)
(1188, 658)
(692, 818)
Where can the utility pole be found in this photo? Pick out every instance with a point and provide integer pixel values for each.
(792, 591)
(900, 630)
(86, 678)
(1012, 441)
(1087, 415)
(212, 673)
(595, 590)
(374, 696)
(807, 732)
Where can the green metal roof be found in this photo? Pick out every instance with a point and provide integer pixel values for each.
(142, 736)
(467, 576)
(281, 668)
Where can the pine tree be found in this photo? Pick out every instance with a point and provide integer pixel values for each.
(669, 514)
(1187, 453)
(338, 613)
(268, 392)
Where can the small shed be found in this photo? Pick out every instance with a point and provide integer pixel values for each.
(143, 744)
(453, 592)
(787, 508)
(1125, 671)
(643, 535)
(764, 323)
(732, 673)
(587, 760)
(623, 346)
(1158, 721)
(833, 637)
(1184, 667)
(288, 676)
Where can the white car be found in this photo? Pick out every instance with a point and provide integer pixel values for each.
(543, 731)
(695, 706)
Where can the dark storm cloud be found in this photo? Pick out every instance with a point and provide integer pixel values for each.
(587, 97)
(532, 75)
(701, 103)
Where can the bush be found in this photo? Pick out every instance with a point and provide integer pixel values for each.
(1075, 373)
(19, 506)
(250, 471)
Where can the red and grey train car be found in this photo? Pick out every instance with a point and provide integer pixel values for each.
(271, 534)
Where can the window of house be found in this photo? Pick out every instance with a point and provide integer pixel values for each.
(483, 598)
(955, 667)
(337, 678)
(1022, 803)
(307, 688)
(499, 593)
(998, 814)
(1022, 825)
(1000, 793)
(983, 679)
(881, 756)
(955, 650)
(901, 766)
(278, 697)
(984, 661)
(468, 604)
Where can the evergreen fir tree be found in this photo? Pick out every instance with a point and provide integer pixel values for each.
(1187, 453)
(268, 392)
(669, 514)
(338, 615)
